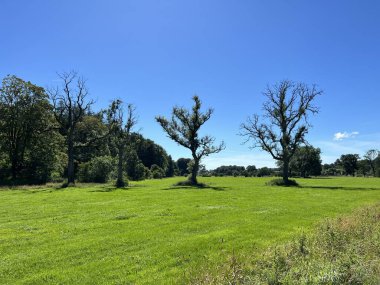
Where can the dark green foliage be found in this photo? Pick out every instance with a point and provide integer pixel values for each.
(370, 158)
(306, 161)
(27, 136)
(250, 171)
(182, 165)
(157, 172)
(364, 168)
(135, 169)
(92, 129)
(170, 171)
(96, 170)
(230, 170)
(264, 171)
(330, 169)
(349, 162)
(149, 152)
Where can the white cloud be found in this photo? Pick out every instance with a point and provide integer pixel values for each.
(345, 135)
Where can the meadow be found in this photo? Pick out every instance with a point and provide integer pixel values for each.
(155, 233)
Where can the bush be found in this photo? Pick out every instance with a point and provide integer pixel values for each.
(96, 170)
(157, 172)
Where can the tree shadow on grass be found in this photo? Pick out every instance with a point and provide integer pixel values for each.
(112, 188)
(199, 186)
(348, 188)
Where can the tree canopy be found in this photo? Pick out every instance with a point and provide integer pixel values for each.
(183, 128)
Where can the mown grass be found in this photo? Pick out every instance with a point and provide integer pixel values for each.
(154, 233)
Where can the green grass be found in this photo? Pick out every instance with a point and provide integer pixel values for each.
(154, 233)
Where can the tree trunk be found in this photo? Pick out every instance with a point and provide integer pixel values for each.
(194, 172)
(373, 170)
(70, 162)
(285, 173)
(120, 179)
(14, 168)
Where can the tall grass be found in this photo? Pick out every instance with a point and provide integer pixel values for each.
(345, 250)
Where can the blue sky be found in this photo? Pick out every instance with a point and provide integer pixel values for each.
(156, 54)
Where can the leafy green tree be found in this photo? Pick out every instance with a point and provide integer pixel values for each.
(329, 169)
(171, 167)
(377, 165)
(284, 125)
(25, 118)
(134, 167)
(91, 128)
(157, 172)
(363, 167)
(306, 161)
(149, 152)
(349, 162)
(264, 171)
(183, 165)
(370, 157)
(251, 170)
(229, 170)
(183, 128)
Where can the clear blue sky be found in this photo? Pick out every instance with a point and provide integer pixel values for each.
(156, 54)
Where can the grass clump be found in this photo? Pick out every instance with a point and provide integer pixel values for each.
(282, 182)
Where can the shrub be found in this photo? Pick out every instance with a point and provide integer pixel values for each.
(96, 170)
(157, 172)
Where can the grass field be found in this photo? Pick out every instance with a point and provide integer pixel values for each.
(154, 233)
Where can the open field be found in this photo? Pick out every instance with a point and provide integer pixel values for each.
(153, 233)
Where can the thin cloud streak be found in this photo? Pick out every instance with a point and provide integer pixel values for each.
(344, 135)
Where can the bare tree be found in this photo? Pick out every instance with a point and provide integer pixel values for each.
(70, 105)
(121, 131)
(283, 127)
(370, 157)
(183, 128)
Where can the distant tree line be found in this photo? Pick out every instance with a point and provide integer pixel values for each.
(353, 165)
(306, 162)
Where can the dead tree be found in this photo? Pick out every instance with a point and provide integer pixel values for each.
(70, 105)
(284, 124)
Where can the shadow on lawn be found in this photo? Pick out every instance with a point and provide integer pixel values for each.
(349, 188)
(112, 188)
(215, 188)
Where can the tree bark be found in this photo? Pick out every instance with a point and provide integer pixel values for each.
(70, 161)
(14, 168)
(194, 172)
(373, 170)
(285, 173)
